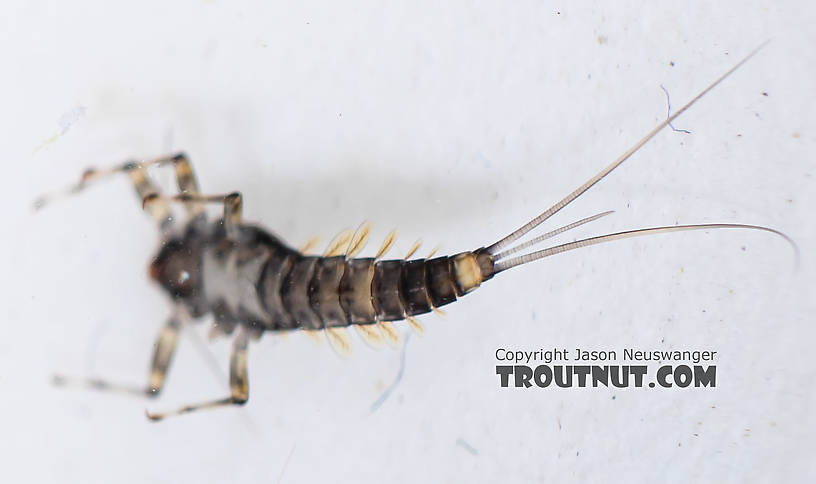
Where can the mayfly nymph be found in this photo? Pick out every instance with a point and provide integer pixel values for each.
(251, 282)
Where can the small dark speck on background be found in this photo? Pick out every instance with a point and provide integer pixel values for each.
(743, 248)
(461, 443)
(671, 63)
(764, 93)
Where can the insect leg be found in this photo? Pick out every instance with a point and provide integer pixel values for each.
(185, 179)
(239, 383)
(97, 384)
(165, 346)
(145, 187)
(233, 205)
(137, 170)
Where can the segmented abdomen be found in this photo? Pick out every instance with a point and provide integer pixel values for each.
(311, 292)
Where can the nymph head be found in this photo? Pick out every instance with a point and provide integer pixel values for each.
(177, 268)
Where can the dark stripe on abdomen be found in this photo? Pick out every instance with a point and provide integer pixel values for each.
(273, 276)
(324, 292)
(295, 292)
(355, 291)
(414, 288)
(439, 277)
(385, 290)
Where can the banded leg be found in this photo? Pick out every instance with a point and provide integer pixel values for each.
(145, 187)
(165, 347)
(239, 383)
(233, 206)
(185, 179)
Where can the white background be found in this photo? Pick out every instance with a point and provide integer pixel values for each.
(453, 123)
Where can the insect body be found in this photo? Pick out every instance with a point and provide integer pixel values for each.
(252, 282)
(244, 275)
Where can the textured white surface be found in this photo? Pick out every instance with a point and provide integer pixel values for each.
(454, 123)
